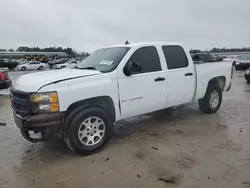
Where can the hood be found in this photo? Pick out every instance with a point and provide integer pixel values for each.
(34, 81)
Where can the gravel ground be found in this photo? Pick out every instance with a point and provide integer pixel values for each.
(178, 148)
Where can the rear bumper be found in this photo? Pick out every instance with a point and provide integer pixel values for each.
(5, 84)
(38, 123)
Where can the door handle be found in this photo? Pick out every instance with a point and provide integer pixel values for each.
(159, 79)
(189, 74)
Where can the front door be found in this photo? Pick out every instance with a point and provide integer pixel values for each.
(144, 91)
(33, 65)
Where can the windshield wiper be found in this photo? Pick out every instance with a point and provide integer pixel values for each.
(89, 68)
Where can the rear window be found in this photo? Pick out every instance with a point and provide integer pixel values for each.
(175, 57)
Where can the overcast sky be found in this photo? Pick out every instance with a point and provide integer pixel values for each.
(89, 24)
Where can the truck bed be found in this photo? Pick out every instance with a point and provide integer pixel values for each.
(209, 70)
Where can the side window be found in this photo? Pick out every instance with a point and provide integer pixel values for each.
(37, 63)
(175, 57)
(32, 63)
(148, 58)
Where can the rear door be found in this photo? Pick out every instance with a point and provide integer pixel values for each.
(36, 65)
(145, 91)
(180, 76)
(31, 66)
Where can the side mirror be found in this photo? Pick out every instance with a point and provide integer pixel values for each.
(132, 68)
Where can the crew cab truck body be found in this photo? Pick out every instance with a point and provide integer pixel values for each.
(114, 83)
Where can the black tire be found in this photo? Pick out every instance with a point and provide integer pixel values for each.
(40, 68)
(73, 123)
(63, 67)
(204, 104)
(234, 63)
(248, 81)
(23, 69)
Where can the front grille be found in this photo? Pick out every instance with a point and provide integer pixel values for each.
(20, 102)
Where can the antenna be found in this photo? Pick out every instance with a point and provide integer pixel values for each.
(127, 42)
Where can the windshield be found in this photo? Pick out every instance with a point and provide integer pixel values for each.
(104, 60)
(246, 57)
(24, 62)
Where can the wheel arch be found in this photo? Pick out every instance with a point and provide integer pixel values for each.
(219, 80)
(203, 87)
(104, 102)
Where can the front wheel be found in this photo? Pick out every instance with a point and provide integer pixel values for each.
(88, 130)
(212, 100)
(23, 69)
(248, 81)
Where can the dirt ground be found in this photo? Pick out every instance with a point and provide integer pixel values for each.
(181, 148)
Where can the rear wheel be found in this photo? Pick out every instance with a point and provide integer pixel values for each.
(40, 68)
(23, 69)
(88, 130)
(212, 100)
(248, 81)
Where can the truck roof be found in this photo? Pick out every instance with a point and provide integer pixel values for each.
(141, 44)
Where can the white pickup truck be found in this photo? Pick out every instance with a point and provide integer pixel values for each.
(114, 83)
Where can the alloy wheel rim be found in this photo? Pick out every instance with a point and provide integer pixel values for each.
(214, 99)
(91, 131)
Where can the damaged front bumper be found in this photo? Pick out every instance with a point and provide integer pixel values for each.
(38, 123)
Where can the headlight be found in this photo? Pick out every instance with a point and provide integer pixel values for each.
(44, 97)
(44, 102)
(248, 71)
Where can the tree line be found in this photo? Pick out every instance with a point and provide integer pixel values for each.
(245, 49)
(69, 51)
(222, 50)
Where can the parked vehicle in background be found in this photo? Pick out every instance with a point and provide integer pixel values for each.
(232, 58)
(69, 64)
(218, 58)
(243, 63)
(247, 75)
(32, 65)
(10, 64)
(111, 84)
(5, 81)
(57, 61)
(202, 57)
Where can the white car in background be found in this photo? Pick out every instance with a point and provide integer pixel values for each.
(31, 65)
(69, 64)
(232, 58)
